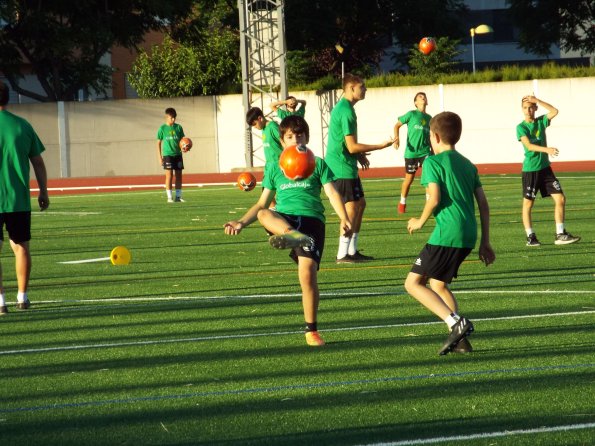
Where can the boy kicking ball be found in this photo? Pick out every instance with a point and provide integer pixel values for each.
(451, 182)
(298, 221)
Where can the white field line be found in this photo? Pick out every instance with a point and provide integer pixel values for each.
(539, 430)
(278, 333)
(99, 259)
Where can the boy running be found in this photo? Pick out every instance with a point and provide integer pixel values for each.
(451, 183)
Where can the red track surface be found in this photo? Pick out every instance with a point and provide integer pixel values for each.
(61, 186)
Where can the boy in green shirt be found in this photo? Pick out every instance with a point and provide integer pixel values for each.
(297, 222)
(271, 143)
(451, 182)
(170, 154)
(418, 143)
(19, 145)
(291, 107)
(537, 172)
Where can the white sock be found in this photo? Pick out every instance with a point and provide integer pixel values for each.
(178, 193)
(529, 231)
(452, 319)
(403, 200)
(343, 246)
(353, 244)
(2, 300)
(559, 228)
(168, 191)
(22, 297)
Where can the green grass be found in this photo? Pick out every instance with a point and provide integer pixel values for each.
(199, 340)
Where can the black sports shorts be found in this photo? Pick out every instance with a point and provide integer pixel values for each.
(173, 162)
(350, 189)
(439, 262)
(18, 226)
(543, 181)
(313, 228)
(412, 164)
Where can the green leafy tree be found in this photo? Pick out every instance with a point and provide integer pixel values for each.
(543, 23)
(442, 60)
(62, 42)
(173, 69)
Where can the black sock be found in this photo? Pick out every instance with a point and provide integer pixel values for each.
(311, 326)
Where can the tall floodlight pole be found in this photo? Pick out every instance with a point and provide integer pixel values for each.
(263, 56)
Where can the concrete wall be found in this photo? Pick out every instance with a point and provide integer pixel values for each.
(110, 138)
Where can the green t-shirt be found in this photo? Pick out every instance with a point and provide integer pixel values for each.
(170, 136)
(18, 143)
(457, 179)
(343, 122)
(300, 198)
(271, 143)
(535, 131)
(418, 133)
(282, 114)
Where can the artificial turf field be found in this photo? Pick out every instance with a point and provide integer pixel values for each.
(199, 339)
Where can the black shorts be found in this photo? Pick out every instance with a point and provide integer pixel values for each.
(412, 164)
(350, 189)
(18, 226)
(173, 162)
(313, 228)
(543, 181)
(439, 262)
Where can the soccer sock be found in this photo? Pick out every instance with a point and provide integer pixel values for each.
(311, 326)
(353, 244)
(452, 319)
(22, 296)
(403, 200)
(2, 300)
(178, 193)
(529, 231)
(559, 228)
(168, 191)
(343, 246)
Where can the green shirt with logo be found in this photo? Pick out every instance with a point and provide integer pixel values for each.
(170, 136)
(535, 131)
(271, 143)
(18, 143)
(302, 197)
(457, 178)
(418, 133)
(343, 122)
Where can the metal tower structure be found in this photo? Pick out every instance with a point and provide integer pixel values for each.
(263, 54)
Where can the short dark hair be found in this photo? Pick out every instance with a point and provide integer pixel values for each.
(417, 94)
(448, 125)
(253, 114)
(171, 112)
(295, 123)
(351, 79)
(4, 93)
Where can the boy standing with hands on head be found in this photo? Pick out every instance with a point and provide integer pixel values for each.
(418, 143)
(170, 154)
(298, 221)
(452, 183)
(537, 172)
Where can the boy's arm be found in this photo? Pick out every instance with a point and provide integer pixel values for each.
(301, 102)
(432, 200)
(486, 253)
(339, 207)
(275, 105)
(42, 181)
(355, 147)
(234, 227)
(552, 111)
(535, 148)
(159, 156)
(398, 125)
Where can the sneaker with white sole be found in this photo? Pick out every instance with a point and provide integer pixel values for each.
(180, 200)
(565, 239)
(532, 240)
(23, 305)
(289, 240)
(461, 329)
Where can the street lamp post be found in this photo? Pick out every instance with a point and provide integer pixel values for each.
(481, 29)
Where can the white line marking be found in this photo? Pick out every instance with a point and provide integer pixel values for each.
(99, 259)
(65, 213)
(278, 333)
(538, 430)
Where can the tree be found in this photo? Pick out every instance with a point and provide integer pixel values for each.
(63, 41)
(544, 23)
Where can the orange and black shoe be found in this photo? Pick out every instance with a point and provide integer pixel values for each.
(313, 339)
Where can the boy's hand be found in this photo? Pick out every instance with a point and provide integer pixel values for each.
(362, 158)
(486, 254)
(396, 142)
(233, 227)
(553, 151)
(414, 224)
(389, 142)
(346, 228)
(530, 98)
